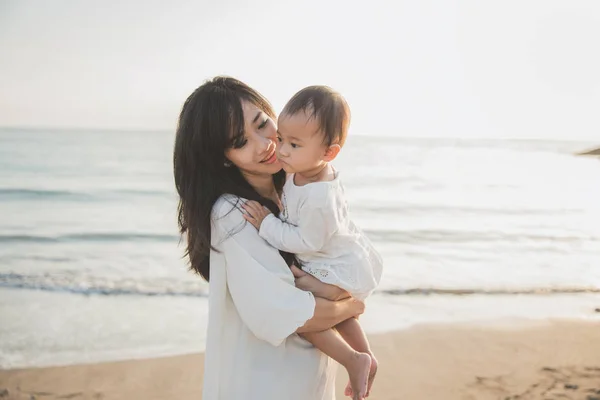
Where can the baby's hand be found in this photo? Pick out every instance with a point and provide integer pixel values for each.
(255, 213)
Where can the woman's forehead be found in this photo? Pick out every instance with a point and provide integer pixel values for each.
(251, 111)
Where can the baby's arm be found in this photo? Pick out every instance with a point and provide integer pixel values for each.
(316, 226)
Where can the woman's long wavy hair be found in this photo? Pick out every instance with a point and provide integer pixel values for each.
(211, 121)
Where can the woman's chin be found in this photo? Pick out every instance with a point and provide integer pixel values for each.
(274, 167)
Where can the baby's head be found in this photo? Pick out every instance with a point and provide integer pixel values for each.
(312, 129)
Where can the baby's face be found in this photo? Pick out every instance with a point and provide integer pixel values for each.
(301, 146)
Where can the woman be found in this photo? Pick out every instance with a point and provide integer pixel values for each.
(225, 154)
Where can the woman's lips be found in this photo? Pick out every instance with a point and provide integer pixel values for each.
(270, 159)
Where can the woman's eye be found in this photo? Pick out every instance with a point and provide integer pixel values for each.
(239, 143)
(263, 124)
(294, 145)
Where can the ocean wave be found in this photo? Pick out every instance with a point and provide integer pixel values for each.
(490, 292)
(412, 209)
(377, 235)
(453, 236)
(89, 285)
(76, 284)
(90, 237)
(25, 194)
(32, 257)
(67, 195)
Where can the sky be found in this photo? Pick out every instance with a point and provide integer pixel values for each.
(462, 68)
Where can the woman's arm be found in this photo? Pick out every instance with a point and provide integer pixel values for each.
(317, 223)
(332, 304)
(258, 280)
(330, 313)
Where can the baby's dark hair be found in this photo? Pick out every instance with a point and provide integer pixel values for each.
(327, 106)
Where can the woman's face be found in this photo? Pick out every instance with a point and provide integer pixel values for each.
(255, 154)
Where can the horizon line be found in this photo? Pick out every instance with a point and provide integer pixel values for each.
(164, 130)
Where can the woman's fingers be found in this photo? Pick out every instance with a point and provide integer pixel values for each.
(360, 306)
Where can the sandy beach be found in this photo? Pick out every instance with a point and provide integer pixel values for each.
(512, 360)
(591, 152)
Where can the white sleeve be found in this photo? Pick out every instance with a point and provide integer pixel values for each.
(264, 295)
(316, 225)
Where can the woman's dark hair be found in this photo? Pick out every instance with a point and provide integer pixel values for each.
(212, 121)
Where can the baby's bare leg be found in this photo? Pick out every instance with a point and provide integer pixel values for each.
(330, 343)
(319, 289)
(356, 363)
(353, 334)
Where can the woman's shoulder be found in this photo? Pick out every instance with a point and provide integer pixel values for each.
(227, 211)
(226, 204)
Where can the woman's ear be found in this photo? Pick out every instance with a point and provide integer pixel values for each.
(331, 152)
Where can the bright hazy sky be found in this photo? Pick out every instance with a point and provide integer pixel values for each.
(482, 68)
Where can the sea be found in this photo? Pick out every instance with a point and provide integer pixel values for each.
(92, 266)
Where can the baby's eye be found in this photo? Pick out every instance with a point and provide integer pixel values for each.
(294, 145)
(279, 139)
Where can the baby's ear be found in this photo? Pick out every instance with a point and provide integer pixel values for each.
(331, 152)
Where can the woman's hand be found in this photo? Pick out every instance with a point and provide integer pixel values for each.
(330, 313)
(309, 283)
(352, 306)
(255, 213)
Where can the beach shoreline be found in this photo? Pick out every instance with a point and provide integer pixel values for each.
(450, 361)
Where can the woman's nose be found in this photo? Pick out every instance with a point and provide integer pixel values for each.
(270, 132)
(266, 144)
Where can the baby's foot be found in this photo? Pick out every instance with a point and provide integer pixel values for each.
(373, 370)
(358, 371)
(348, 390)
(372, 373)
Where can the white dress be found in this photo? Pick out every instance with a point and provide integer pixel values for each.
(252, 351)
(315, 226)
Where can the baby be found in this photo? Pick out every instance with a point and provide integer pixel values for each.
(315, 224)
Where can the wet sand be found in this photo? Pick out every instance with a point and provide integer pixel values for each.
(516, 360)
